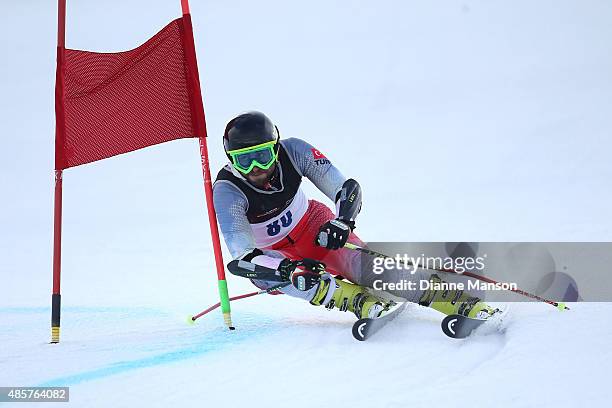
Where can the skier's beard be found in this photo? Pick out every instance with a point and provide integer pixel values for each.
(260, 178)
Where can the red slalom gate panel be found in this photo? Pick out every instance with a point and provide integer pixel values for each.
(116, 103)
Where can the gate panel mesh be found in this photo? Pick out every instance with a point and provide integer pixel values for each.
(116, 103)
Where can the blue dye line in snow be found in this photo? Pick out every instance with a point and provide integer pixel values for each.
(133, 311)
(213, 340)
(26, 309)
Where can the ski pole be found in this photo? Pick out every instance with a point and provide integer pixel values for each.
(559, 305)
(246, 295)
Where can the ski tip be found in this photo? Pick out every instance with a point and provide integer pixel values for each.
(562, 307)
(190, 320)
(360, 329)
(448, 325)
(459, 327)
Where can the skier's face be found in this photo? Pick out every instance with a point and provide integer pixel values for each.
(259, 177)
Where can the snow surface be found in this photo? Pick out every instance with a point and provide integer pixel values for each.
(462, 120)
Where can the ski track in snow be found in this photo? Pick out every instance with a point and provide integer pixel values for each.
(120, 335)
(155, 352)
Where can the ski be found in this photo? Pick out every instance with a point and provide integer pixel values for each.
(459, 326)
(365, 328)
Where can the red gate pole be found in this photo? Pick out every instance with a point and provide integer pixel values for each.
(59, 144)
(199, 121)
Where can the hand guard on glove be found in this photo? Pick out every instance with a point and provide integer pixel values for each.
(303, 274)
(334, 234)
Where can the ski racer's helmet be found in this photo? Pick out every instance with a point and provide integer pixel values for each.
(249, 140)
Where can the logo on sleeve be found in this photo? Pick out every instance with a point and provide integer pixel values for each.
(319, 158)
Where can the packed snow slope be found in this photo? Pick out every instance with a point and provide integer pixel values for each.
(462, 120)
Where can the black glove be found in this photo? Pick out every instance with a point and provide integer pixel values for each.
(307, 276)
(334, 234)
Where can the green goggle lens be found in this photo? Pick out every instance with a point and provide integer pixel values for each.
(262, 156)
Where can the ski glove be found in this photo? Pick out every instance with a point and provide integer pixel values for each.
(333, 234)
(303, 274)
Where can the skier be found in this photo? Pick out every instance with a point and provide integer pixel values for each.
(266, 219)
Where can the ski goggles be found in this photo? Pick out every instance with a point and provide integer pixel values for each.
(262, 156)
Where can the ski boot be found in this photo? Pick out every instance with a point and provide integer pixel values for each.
(345, 296)
(456, 302)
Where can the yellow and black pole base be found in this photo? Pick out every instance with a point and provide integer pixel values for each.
(55, 317)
